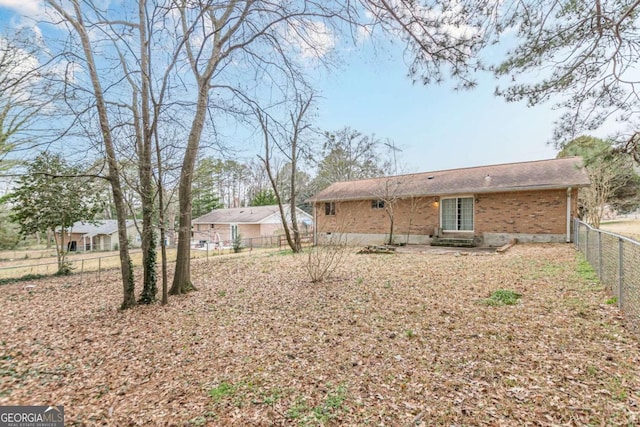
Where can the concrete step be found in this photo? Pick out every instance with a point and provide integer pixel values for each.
(454, 243)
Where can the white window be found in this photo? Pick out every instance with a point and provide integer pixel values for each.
(377, 204)
(330, 208)
(457, 214)
(234, 231)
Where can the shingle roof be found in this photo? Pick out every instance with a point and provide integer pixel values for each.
(248, 215)
(542, 174)
(105, 226)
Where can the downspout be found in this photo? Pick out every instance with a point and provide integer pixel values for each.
(569, 215)
(315, 223)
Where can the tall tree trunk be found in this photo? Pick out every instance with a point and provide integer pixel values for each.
(182, 278)
(298, 127)
(296, 244)
(389, 211)
(161, 218)
(163, 237)
(58, 246)
(149, 289)
(274, 185)
(126, 266)
(292, 233)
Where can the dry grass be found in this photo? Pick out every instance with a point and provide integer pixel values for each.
(11, 255)
(392, 340)
(629, 228)
(86, 261)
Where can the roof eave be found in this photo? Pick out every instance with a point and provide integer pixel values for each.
(461, 191)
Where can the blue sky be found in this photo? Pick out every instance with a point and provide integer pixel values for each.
(434, 126)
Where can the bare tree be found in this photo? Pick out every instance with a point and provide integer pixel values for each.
(266, 38)
(387, 196)
(614, 182)
(291, 148)
(346, 155)
(259, 181)
(165, 209)
(413, 209)
(25, 92)
(75, 18)
(139, 75)
(233, 49)
(203, 59)
(605, 177)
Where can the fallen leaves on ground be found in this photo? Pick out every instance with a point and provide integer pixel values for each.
(399, 339)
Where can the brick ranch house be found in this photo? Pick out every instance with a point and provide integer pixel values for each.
(101, 235)
(221, 226)
(486, 205)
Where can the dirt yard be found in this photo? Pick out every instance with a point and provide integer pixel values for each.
(401, 339)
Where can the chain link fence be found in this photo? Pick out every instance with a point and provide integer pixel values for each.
(85, 262)
(616, 260)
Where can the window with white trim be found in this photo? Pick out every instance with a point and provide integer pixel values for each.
(377, 204)
(457, 214)
(330, 208)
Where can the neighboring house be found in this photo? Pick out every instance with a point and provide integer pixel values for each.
(488, 205)
(99, 236)
(223, 225)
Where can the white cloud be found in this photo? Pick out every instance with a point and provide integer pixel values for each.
(68, 71)
(313, 39)
(16, 72)
(451, 21)
(363, 34)
(25, 7)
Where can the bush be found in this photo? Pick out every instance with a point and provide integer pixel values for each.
(322, 260)
(65, 269)
(237, 243)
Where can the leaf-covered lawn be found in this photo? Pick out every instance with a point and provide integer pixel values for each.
(403, 339)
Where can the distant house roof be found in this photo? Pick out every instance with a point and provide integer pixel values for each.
(105, 226)
(542, 174)
(247, 215)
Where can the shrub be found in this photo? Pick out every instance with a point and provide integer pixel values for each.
(322, 260)
(65, 269)
(237, 243)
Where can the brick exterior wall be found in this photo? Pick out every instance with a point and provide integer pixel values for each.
(419, 214)
(535, 212)
(541, 212)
